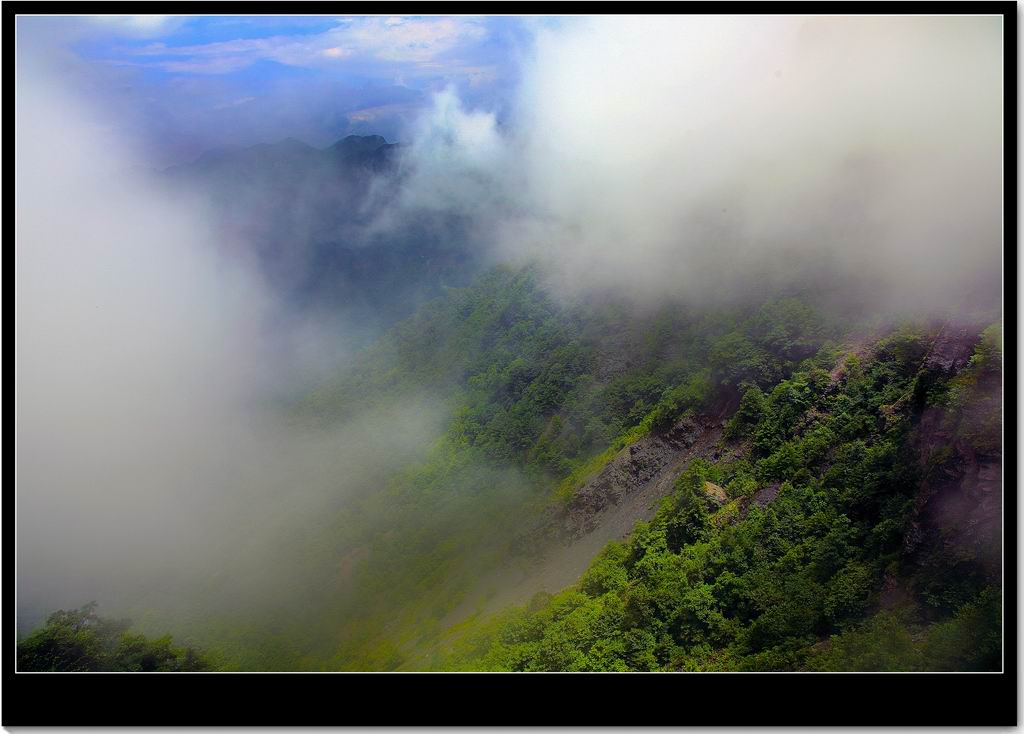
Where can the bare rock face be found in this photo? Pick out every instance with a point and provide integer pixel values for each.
(959, 503)
(952, 349)
(959, 506)
(646, 470)
(764, 496)
(631, 469)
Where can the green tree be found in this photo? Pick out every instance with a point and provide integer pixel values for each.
(78, 640)
(690, 521)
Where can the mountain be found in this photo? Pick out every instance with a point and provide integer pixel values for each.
(321, 224)
(371, 151)
(769, 483)
(773, 485)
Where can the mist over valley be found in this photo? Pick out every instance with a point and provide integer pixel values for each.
(567, 344)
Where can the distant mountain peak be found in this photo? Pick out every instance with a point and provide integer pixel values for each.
(294, 143)
(360, 143)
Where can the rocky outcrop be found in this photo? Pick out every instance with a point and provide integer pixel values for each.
(631, 483)
(716, 495)
(766, 495)
(628, 490)
(952, 348)
(958, 507)
(632, 468)
(653, 463)
(959, 503)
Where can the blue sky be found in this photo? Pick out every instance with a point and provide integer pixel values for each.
(185, 84)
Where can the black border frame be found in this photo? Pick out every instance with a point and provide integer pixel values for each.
(255, 699)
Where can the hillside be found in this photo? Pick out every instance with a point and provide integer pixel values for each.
(721, 452)
(585, 343)
(853, 533)
(759, 487)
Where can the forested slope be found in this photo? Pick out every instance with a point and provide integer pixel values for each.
(784, 486)
(820, 549)
(546, 394)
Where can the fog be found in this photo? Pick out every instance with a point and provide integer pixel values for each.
(153, 452)
(695, 159)
(707, 157)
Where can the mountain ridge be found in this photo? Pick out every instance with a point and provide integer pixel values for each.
(328, 228)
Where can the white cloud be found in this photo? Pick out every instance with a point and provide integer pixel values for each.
(420, 40)
(154, 466)
(139, 25)
(703, 156)
(408, 41)
(337, 52)
(456, 157)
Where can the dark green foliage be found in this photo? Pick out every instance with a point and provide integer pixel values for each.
(748, 414)
(79, 640)
(789, 329)
(849, 592)
(971, 640)
(770, 343)
(693, 395)
(761, 591)
(689, 521)
(884, 643)
(735, 359)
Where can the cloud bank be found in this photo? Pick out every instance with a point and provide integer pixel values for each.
(705, 157)
(155, 464)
